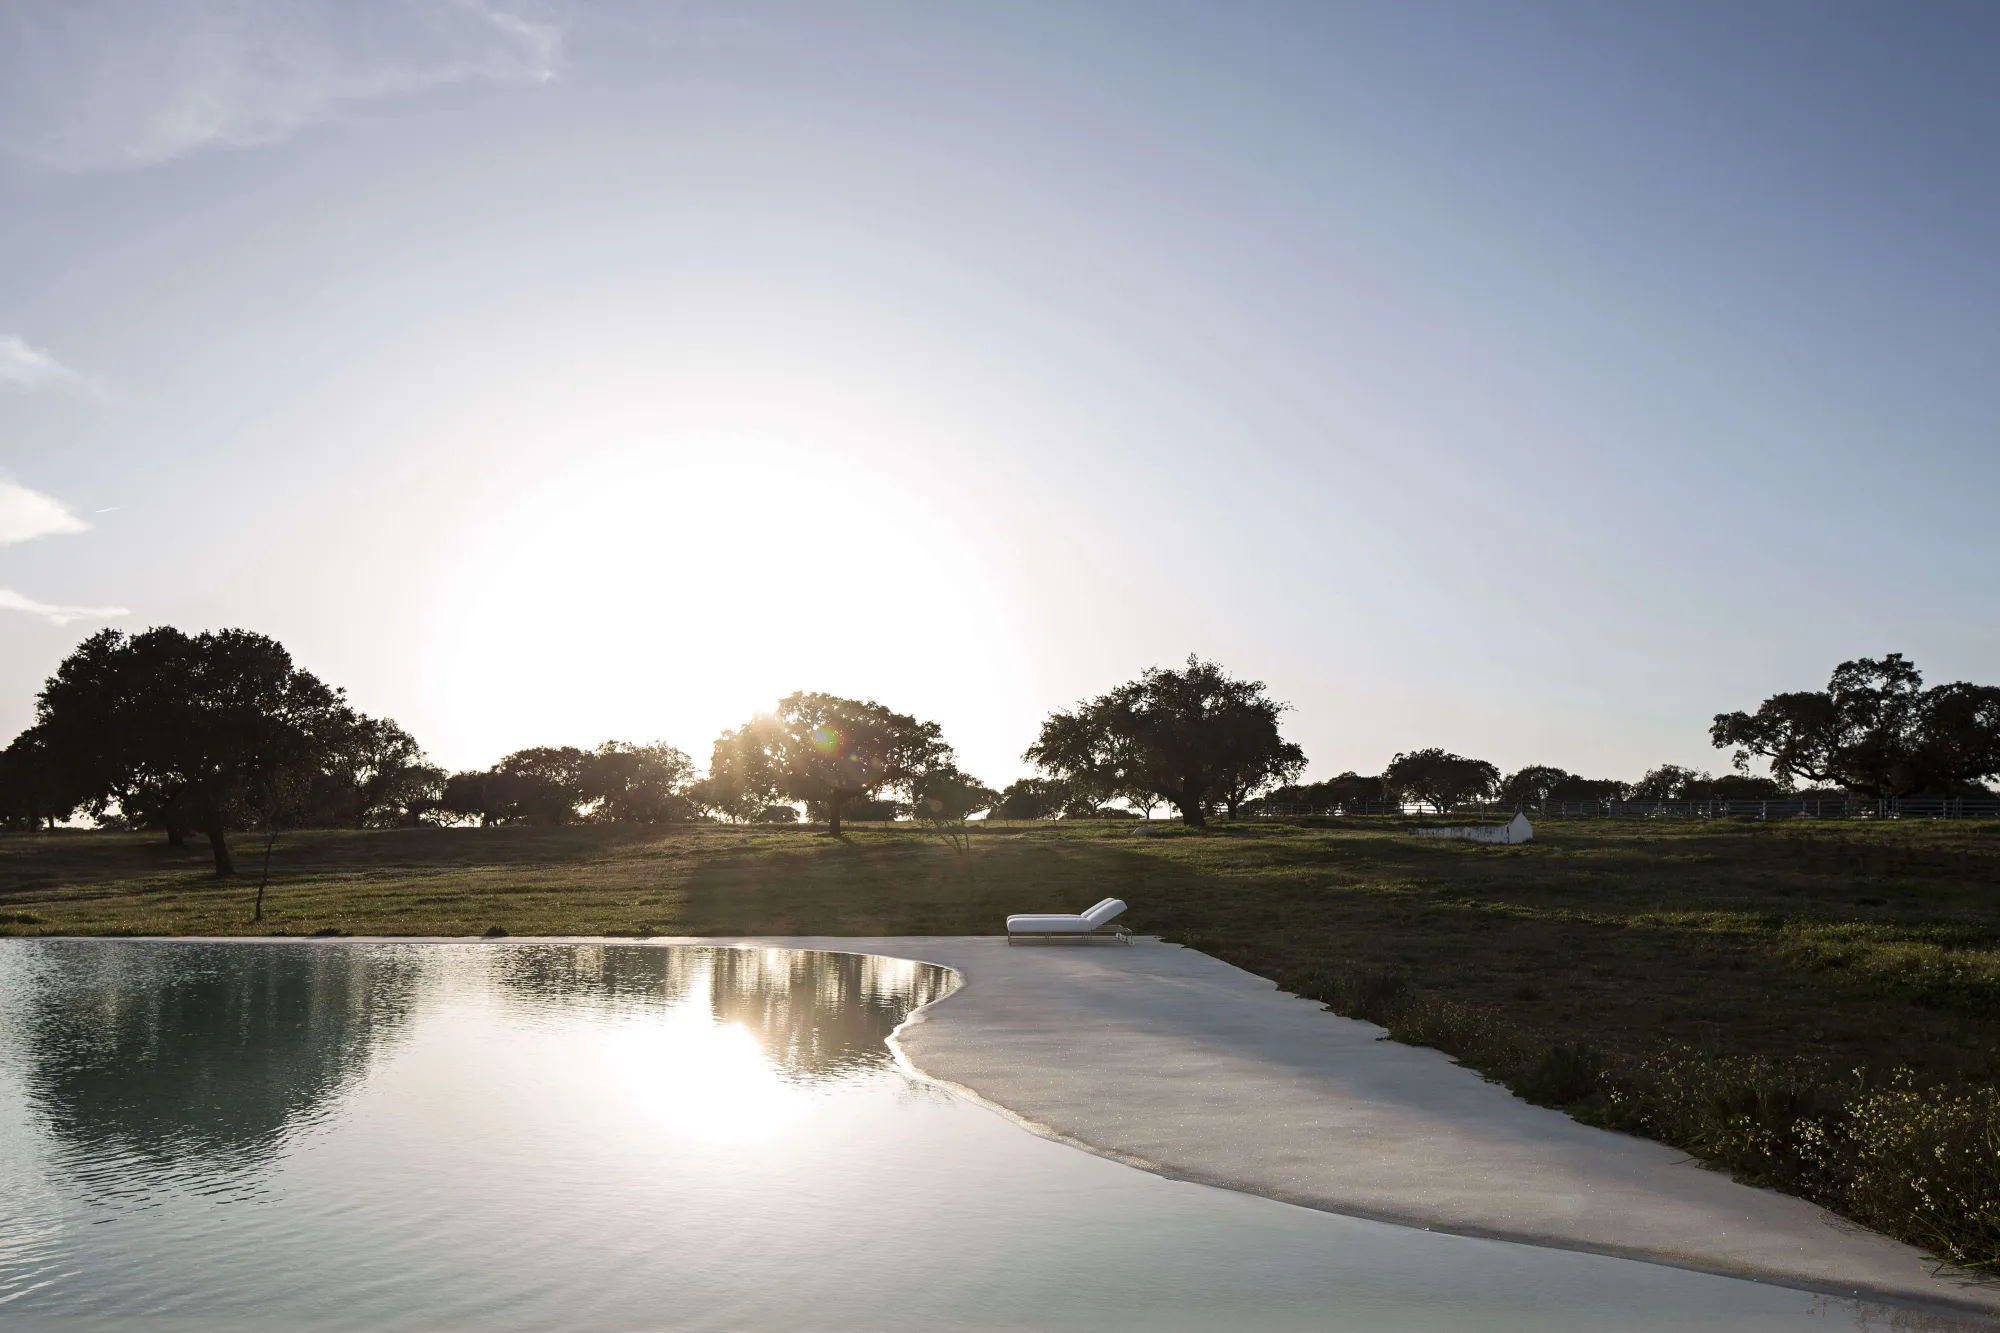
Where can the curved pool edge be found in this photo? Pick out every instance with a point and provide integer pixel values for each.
(1085, 995)
(1930, 1292)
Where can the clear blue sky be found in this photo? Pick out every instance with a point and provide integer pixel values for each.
(1531, 380)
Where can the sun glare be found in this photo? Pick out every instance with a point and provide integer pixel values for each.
(698, 1079)
(640, 596)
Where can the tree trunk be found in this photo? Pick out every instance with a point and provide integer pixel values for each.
(1192, 813)
(270, 838)
(1230, 803)
(218, 843)
(833, 807)
(177, 835)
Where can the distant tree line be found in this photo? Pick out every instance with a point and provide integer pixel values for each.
(616, 783)
(221, 732)
(1441, 781)
(1874, 731)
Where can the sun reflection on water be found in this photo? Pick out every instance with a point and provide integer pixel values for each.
(692, 1075)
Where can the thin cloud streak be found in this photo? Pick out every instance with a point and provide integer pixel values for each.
(53, 614)
(26, 515)
(25, 366)
(94, 85)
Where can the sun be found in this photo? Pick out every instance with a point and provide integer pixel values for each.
(652, 594)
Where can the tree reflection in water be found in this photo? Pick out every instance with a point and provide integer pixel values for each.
(150, 1063)
(143, 1058)
(815, 1015)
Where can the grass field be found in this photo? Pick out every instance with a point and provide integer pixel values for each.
(1813, 1006)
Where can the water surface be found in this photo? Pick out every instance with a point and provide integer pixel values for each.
(518, 1135)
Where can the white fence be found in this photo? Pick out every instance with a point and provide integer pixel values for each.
(1795, 807)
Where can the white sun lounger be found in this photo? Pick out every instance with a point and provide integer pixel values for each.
(1050, 924)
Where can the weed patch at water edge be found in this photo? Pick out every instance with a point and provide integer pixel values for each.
(1919, 1162)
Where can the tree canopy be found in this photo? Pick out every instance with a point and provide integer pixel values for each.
(377, 777)
(824, 750)
(1349, 793)
(617, 783)
(192, 731)
(1669, 782)
(943, 797)
(1439, 779)
(1531, 785)
(1874, 730)
(1031, 798)
(1194, 737)
(35, 788)
(638, 784)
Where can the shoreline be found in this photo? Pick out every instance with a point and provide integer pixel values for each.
(1165, 1059)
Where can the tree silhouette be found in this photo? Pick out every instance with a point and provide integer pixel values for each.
(1670, 782)
(1031, 798)
(379, 777)
(637, 784)
(1439, 779)
(1532, 785)
(188, 727)
(472, 794)
(543, 784)
(1270, 761)
(36, 790)
(1875, 729)
(942, 797)
(824, 750)
(1192, 737)
(1540, 783)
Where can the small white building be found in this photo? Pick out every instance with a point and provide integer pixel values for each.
(1517, 829)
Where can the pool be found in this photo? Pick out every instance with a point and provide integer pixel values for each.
(520, 1135)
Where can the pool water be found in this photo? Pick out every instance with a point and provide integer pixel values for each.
(517, 1135)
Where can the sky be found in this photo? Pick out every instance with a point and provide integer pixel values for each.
(1531, 380)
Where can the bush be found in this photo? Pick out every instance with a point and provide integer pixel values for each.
(1920, 1163)
(1559, 1076)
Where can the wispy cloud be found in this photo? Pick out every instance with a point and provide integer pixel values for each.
(103, 84)
(26, 515)
(25, 366)
(55, 615)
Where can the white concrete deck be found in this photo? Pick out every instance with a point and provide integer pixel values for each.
(1173, 1061)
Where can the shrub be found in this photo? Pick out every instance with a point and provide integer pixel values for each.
(1559, 1076)
(1920, 1163)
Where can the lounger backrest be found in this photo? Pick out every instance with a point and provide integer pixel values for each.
(1103, 912)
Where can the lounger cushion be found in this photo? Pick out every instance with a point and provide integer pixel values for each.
(1065, 923)
(1104, 911)
(1059, 923)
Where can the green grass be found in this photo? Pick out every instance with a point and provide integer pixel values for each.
(1812, 1006)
